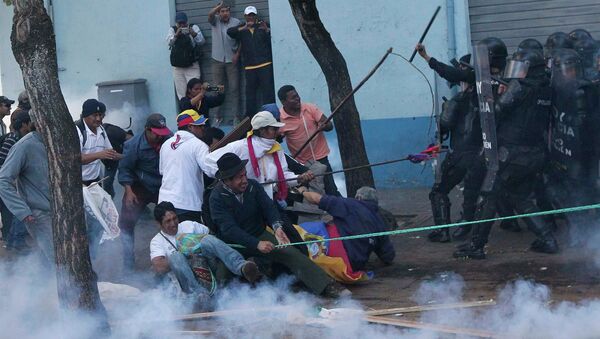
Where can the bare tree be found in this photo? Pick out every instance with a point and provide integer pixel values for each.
(34, 47)
(333, 65)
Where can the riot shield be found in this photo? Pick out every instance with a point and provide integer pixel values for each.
(483, 83)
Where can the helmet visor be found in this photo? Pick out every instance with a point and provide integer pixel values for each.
(516, 69)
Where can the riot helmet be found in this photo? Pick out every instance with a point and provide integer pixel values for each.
(497, 53)
(567, 68)
(525, 64)
(586, 49)
(556, 40)
(580, 34)
(530, 44)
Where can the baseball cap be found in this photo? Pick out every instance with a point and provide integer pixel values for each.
(91, 106)
(264, 119)
(366, 193)
(181, 17)
(190, 117)
(158, 124)
(250, 9)
(5, 100)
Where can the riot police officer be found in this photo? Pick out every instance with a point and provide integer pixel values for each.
(575, 139)
(460, 119)
(521, 112)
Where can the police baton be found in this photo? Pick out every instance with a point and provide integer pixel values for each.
(437, 10)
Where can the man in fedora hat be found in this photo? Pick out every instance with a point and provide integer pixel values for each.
(240, 207)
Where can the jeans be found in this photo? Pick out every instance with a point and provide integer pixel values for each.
(212, 248)
(261, 81)
(108, 184)
(227, 74)
(7, 218)
(16, 237)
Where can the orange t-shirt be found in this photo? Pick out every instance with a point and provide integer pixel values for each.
(298, 128)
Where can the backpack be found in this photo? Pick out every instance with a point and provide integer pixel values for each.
(183, 53)
(81, 125)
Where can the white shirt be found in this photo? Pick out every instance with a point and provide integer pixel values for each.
(94, 143)
(198, 40)
(182, 160)
(160, 247)
(268, 169)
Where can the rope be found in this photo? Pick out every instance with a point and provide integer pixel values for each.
(434, 227)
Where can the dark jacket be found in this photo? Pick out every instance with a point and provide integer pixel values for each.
(140, 164)
(256, 47)
(207, 103)
(242, 223)
(354, 217)
(451, 73)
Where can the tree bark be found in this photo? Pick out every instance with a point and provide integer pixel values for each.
(333, 65)
(34, 47)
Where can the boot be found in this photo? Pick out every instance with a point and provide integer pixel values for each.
(461, 232)
(470, 251)
(549, 245)
(440, 235)
(510, 225)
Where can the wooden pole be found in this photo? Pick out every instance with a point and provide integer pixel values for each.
(462, 331)
(425, 308)
(350, 95)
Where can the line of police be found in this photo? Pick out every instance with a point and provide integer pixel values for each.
(547, 108)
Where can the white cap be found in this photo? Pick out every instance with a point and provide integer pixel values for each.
(250, 9)
(265, 119)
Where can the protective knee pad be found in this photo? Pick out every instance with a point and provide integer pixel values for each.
(440, 206)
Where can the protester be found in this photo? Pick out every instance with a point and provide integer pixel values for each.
(117, 137)
(139, 174)
(353, 217)
(94, 142)
(166, 258)
(5, 104)
(302, 120)
(225, 56)
(13, 230)
(23, 103)
(197, 97)
(183, 39)
(241, 208)
(25, 189)
(367, 193)
(255, 39)
(182, 162)
(264, 157)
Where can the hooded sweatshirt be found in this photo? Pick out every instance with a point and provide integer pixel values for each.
(182, 161)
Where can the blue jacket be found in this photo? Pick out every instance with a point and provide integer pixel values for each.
(140, 164)
(353, 217)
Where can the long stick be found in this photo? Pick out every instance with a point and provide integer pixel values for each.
(432, 327)
(340, 171)
(437, 10)
(344, 101)
(424, 308)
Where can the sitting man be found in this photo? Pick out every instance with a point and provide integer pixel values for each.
(165, 257)
(240, 207)
(352, 217)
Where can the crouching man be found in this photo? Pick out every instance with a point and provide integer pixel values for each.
(165, 257)
(240, 207)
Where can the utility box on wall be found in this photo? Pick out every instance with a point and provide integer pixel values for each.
(126, 103)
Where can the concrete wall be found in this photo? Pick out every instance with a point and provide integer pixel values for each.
(102, 41)
(395, 105)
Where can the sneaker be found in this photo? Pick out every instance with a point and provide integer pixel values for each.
(469, 252)
(250, 272)
(335, 290)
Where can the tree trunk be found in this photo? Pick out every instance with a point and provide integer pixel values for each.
(333, 65)
(34, 47)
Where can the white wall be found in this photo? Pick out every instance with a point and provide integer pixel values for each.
(11, 81)
(101, 41)
(363, 30)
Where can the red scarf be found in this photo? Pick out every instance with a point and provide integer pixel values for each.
(282, 189)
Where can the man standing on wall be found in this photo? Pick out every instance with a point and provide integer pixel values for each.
(255, 37)
(225, 55)
(183, 40)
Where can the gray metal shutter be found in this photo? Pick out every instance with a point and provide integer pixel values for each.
(197, 12)
(516, 20)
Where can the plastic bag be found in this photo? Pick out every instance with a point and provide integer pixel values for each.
(99, 205)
